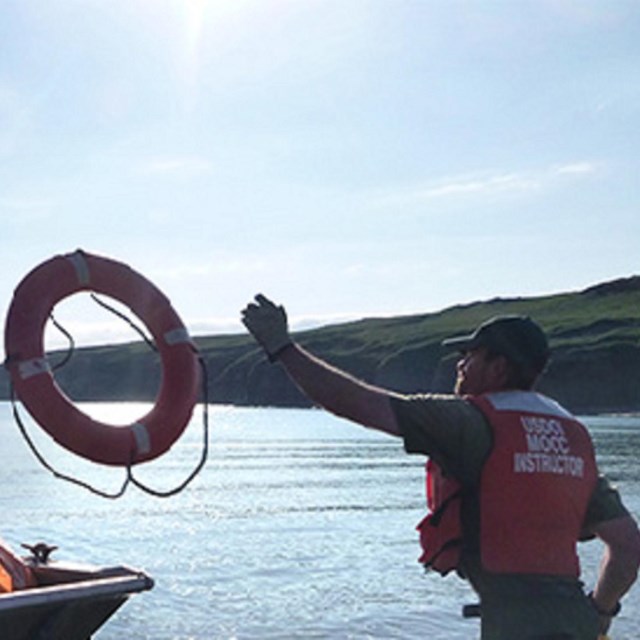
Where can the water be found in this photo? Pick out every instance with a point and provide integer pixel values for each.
(300, 526)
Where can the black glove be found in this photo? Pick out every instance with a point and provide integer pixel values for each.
(267, 323)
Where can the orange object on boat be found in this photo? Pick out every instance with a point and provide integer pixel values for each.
(6, 583)
(33, 300)
(14, 572)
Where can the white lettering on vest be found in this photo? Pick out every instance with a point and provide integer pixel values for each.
(548, 449)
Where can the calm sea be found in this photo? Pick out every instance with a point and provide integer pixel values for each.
(301, 525)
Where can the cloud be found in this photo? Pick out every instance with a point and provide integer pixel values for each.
(500, 183)
(485, 184)
(577, 168)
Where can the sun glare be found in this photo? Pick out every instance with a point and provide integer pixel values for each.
(194, 13)
(197, 21)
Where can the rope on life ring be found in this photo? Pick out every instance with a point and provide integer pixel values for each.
(33, 382)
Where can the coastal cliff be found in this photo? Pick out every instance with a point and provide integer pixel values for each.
(594, 335)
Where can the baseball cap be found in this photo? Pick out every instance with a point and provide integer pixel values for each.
(518, 338)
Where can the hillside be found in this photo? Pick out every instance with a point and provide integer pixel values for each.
(594, 336)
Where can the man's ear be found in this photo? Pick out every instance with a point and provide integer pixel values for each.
(500, 370)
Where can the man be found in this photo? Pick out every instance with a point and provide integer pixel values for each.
(512, 481)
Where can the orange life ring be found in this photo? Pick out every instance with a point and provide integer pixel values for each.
(35, 386)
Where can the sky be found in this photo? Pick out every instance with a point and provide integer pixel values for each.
(348, 158)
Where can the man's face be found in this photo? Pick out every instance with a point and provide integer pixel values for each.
(478, 374)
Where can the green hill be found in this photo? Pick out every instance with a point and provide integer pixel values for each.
(594, 336)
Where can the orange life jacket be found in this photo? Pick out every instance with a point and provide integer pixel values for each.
(534, 490)
(441, 530)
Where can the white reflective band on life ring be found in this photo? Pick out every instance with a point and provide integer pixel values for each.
(177, 336)
(141, 435)
(79, 263)
(33, 367)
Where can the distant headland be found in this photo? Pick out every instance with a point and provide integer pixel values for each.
(594, 336)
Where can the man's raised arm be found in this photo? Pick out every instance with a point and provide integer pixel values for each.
(331, 388)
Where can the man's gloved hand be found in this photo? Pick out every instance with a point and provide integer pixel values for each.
(267, 323)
